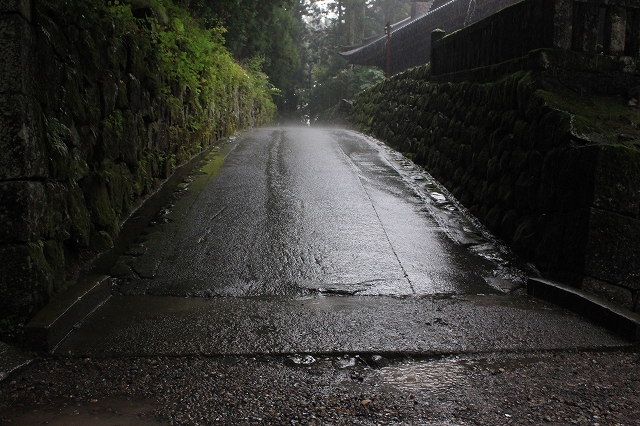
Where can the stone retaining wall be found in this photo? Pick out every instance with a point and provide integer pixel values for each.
(520, 156)
(83, 136)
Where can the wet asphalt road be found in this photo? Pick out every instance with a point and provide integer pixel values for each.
(299, 240)
(315, 276)
(298, 211)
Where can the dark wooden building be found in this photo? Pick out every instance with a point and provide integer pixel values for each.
(409, 42)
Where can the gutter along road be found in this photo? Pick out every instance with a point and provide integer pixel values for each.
(316, 276)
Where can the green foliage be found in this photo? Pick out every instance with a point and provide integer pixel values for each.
(156, 5)
(198, 93)
(602, 115)
(281, 57)
(124, 92)
(252, 24)
(328, 90)
(327, 26)
(259, 31)
(193, 59)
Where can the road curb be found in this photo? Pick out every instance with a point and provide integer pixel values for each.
(144, 213)
(52, 324)
(58, 318)
(619, 320)
(11, 359)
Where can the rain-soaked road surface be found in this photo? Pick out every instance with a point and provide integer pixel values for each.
(291, 266)
(298, 211)
(298, 240)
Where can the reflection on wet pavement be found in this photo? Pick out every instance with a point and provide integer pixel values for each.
(154, 325)
(434, 375)
(309, 241)
(308, 276)
(298, 211)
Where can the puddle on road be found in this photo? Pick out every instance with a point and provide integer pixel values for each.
(436, 375)
(103, 412)
(445, 374)
(300, 359)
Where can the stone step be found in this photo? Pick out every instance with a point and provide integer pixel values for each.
(58, 318)
(613, 317)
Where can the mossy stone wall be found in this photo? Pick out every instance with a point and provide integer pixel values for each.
(562, 195)
(84, 135)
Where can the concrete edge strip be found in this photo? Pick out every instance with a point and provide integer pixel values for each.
(54, 322)
(615, 318)
(5, 371)
(57, 319)
(11, 359)
(140, 216)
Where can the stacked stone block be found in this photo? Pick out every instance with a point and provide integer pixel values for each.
(26, 275)
(567, 201)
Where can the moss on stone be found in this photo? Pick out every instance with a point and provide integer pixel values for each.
(101, 241)
(55, 218)
(25, 274)
(54, 255)
(617, 180)
(79, 217)
(43, 272)
(112, 132)
(605, 116)
(58, 138)
(100, 128)
(96, 196)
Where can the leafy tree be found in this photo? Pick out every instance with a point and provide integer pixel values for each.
(383, 11)
(297, 43)
(326, 26)
(262, 32)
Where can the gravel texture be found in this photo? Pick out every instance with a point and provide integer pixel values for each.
(555, 388)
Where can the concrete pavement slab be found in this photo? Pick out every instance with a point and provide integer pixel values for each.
(154, 325)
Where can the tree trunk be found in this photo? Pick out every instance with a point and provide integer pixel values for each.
(355, 20)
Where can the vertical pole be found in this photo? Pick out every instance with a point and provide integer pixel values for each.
(388, 50)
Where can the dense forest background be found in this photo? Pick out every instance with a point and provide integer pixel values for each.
(296, 43)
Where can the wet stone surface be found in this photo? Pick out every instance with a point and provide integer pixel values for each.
(310, 276)
(555, 388)
(146, 325)
(295, 211)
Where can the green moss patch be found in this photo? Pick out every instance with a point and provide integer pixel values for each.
(609, 117)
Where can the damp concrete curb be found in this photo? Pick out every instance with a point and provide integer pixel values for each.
(11, 359)
(58, 318)
(615, 318)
